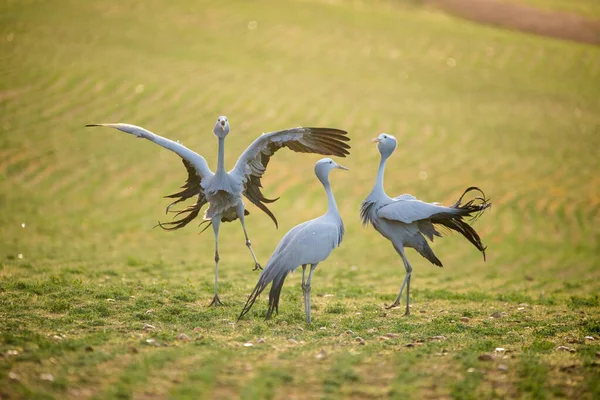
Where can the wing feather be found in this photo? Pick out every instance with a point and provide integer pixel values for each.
(409, 211)
(195, 165)
(195, 159)
(253, 162)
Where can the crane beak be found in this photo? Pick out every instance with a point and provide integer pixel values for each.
(342, 167)
(376, 140)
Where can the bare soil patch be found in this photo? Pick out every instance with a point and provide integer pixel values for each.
(524, 18)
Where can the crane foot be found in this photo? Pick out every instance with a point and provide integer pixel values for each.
(257, 267)
(215, 301)
(392, 306)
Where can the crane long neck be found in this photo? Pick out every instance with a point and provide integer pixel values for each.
(221, 158)
(331, 204)
(378, 188)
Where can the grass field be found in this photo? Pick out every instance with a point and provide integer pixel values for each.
(93, 301)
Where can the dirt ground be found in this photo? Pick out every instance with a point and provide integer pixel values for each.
(524, 18)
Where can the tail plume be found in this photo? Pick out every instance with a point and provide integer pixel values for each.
(275, 293)
(473, 208)
(270, 274)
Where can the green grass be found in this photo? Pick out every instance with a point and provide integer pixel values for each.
(82, 272)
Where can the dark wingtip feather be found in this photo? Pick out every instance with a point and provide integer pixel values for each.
(331, 132)
(192, 212)
(256, 197)
(208, 225)
(266, 210)
(325, 141)
(191, 188)
(326, 129)
(332, 140)
(160, 224)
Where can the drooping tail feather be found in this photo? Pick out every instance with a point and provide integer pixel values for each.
(466, 230)
(426, 251)
(268, 275)
(473, 209)
(275, 292)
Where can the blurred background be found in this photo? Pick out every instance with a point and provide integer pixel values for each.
(513, 113)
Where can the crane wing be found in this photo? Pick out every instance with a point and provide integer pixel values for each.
(308, 243)
(405, 196)
(194, 163)
(252, 163)
(408, 210)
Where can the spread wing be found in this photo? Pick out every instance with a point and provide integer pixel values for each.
(194, 163)
(408, 210)
(253, 162)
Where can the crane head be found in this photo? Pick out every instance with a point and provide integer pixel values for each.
(221, 128)
(324, 166)
(386, 144)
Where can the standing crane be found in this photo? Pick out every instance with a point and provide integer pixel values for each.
(404, 220)
(308, 243)
(223, 190)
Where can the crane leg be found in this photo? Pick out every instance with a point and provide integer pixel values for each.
(304, 286)
(240, 213)
(408, 294)
(306, 290)
(406, 282)
(216, 222)
(303, 273)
